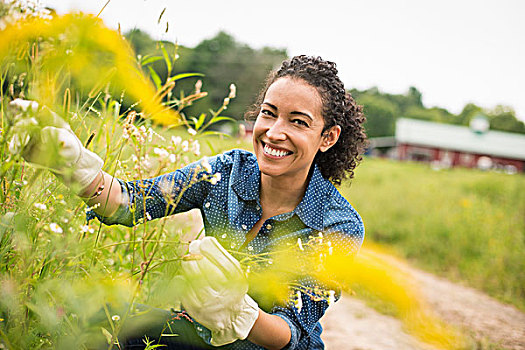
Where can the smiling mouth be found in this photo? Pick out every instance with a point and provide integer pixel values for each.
(275, 152)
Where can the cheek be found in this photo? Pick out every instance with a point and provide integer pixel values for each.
(258, 127)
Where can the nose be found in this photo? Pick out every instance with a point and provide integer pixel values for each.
(276, 131)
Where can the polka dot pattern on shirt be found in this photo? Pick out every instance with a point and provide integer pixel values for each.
(231, 208)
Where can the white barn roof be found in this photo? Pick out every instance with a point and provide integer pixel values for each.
(460, 138)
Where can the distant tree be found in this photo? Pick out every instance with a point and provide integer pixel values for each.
(141, 41)
(503, 118)
(223, 60)
(414, 97)
(469, 111)
(434, 114)
(380, 115)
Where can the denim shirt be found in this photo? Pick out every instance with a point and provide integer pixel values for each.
(231, 207)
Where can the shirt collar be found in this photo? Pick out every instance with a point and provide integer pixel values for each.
(311, 208)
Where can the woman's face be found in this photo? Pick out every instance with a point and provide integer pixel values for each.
(287, 132)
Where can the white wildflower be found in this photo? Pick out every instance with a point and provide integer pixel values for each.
(148, 216)
(161, 152)
(226, 101)
(331, 297)
(192, 132)
(198, 86)
(300, 244)
(196, 148)
(40, 206)
(206, 165)
(55, 228)
(320, 237)
(173, 158)
(185, 146)
(86, 229)
(115, 318)
(176, 140)
(134, 158)
(215, 178)
(330, 250)
(233, 91)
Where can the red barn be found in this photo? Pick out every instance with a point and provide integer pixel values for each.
(446, 145)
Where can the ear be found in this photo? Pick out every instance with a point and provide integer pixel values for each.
(330, 137)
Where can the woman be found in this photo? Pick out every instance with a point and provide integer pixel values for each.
(308, 135)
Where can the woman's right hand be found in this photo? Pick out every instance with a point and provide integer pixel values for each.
(53, 146)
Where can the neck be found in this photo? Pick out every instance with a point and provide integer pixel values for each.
(282, 195)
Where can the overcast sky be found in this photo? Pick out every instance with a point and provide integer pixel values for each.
(453, 51)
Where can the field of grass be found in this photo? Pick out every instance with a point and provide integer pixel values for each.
(56, 271)
(462, 224)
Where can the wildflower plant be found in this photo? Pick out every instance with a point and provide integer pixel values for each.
(61, 277)
(57, 272)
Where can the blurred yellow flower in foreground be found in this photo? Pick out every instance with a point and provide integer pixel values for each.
(79, 47)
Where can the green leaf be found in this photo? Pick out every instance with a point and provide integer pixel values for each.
(221, 118)
(150, 59)
(214, 133)
(195, 121)
(107, 334)
(166, 58)
(155, 77)
(211, 147)
(201, 120)
(184, 75)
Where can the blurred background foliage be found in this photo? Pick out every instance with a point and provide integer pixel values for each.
(223, 60)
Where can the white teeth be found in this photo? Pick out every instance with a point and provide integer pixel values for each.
(274, 152)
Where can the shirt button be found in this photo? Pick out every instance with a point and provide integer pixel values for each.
(250, 248)
(244, 227)
(207, 205)
(258, 208)
(269, 227)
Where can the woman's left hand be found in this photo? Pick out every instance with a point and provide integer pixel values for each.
(215, 292)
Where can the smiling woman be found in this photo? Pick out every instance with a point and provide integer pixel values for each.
(308, 136)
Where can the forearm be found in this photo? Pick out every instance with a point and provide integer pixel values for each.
(108, 201)
(270, 331)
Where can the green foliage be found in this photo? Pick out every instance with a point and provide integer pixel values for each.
(56, 271)
(223, 61)
(463, 224)
(382, 110)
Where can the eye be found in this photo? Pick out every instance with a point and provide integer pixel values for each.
(267, 112)
(300, 122)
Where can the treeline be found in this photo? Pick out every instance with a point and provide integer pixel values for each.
(382, 110)
(223, 61)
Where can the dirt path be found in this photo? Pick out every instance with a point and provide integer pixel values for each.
(352, 325)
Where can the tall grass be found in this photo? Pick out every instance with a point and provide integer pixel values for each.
(466, 225)
(57, 273)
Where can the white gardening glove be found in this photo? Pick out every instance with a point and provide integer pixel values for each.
(54, 147)
(215, 293)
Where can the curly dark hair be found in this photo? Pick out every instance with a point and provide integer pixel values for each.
(339, 108)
